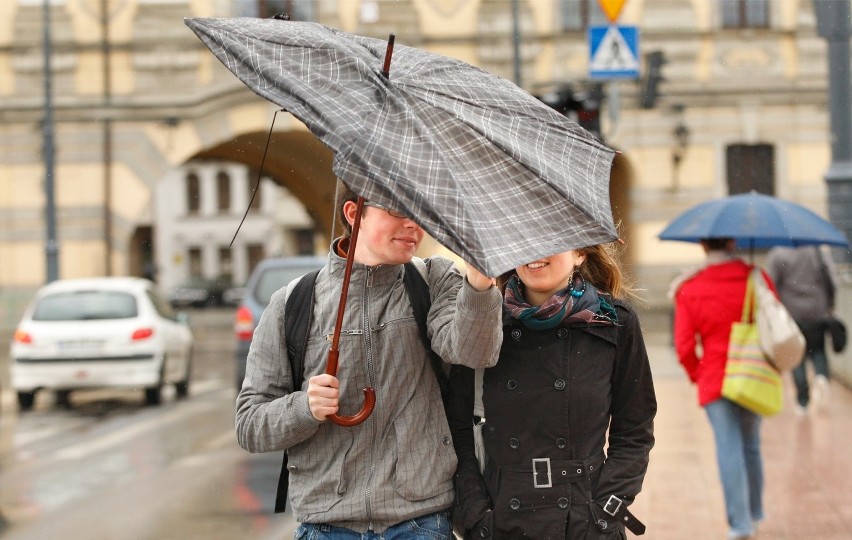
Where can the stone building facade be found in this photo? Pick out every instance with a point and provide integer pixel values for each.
(136, 97)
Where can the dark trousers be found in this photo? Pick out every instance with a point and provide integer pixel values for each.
(814, 332)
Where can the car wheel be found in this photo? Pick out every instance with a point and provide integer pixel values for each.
(182, 387)
(63, 399)
(26, 400)
(154, 394)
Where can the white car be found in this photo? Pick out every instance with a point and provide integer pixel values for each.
(115, 332)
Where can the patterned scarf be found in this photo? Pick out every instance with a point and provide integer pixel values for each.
(579, 302)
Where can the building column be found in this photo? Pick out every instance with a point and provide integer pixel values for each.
(833, 25)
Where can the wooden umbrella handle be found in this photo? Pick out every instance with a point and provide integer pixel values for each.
(369, 398)
(334, 352)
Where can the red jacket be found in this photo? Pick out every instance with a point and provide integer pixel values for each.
(705, 307)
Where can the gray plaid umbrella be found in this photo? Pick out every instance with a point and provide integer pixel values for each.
(483, 166)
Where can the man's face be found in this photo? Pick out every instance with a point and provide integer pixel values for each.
(383, 238)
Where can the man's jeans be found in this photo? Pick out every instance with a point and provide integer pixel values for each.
(433, 526)
(737, 433)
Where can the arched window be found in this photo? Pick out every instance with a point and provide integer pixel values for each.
(223, 192)
(193, 194)
(745, 13)
(254, 191)
(750, 167)
(580, 14)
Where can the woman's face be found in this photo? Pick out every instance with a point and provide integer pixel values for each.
(544, 277)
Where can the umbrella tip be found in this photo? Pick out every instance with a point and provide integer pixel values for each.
(282, 16)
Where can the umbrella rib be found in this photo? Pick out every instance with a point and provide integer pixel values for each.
(257, 182)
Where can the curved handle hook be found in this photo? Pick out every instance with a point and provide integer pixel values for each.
(369, 398)
(360, 416)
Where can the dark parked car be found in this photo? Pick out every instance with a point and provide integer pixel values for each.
(266, 278)
(200, 292)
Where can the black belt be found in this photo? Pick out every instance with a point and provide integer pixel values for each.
(618, 512)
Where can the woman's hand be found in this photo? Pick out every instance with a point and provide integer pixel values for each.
(478, 280)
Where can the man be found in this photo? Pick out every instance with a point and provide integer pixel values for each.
(805, 283)
(391, 474)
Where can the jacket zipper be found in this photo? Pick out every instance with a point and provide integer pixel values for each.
(369, 349)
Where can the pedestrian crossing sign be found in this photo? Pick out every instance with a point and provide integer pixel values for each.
(613, 52)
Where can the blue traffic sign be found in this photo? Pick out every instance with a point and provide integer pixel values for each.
(613, 52)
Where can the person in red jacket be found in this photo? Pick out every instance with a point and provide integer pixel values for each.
(707, 303)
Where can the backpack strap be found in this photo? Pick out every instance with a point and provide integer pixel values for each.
(421, 301)
(296, 329)
(297, 326)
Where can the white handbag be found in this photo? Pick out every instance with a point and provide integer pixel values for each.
(780, 337)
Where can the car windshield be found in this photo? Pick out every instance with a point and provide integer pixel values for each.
(274, 278)
(86, 305)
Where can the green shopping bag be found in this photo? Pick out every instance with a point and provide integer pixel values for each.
(750, 380)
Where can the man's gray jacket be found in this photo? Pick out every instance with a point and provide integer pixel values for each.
(805, 289)
(399, 463)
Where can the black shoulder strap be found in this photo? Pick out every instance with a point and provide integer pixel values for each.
(296, 328)
(300, 302)
(828, 283)
(421, 301)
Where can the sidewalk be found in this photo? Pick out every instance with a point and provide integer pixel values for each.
(807, 466)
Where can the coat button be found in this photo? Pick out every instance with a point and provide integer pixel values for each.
(514, 504)
(516, 334)
(484, 532)
(514, 443)
(562, 502)
(511, 384)
(292, 468)
(560, 443)
(562, 333)
(446, 440)
(559, 384)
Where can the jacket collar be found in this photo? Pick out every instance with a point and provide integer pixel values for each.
(381, 274)
(605, 332)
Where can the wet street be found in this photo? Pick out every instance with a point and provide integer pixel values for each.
(108, 467)
(111, 468)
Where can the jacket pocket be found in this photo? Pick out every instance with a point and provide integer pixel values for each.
(425, 458)
(313, 470)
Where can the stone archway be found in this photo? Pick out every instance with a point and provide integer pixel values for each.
(296, 159)
(621, 178)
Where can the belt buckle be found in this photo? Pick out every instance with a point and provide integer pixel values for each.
(612, 506)
(536, 483)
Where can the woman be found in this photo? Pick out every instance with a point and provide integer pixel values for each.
(572, 367)
(707, 302)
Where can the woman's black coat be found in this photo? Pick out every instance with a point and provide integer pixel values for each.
(549, 402)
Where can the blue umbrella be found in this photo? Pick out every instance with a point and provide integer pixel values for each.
(754, 221)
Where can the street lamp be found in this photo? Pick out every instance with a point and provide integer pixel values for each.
(681, 135)
(51, 248)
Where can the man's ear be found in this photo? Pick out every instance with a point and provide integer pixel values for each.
(349, 209)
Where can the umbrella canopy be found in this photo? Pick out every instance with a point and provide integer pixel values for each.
(483, 166)
(754, 221)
